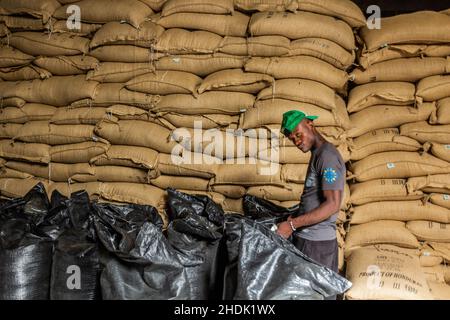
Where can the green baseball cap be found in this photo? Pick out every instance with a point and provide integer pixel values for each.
(291, 119)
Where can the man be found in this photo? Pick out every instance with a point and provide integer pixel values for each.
(313, 229)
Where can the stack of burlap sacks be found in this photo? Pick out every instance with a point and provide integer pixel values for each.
(111, 108)
(400, 161)
(281, 61)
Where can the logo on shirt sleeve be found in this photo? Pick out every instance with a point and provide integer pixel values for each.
(330, 175)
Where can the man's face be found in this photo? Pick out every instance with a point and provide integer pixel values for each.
(303, 136)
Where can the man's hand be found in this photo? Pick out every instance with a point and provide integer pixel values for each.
(284, 229)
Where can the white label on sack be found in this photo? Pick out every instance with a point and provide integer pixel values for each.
(176, 60)
(426, 254)
(390, 165)
(446, 197)
(447, 146)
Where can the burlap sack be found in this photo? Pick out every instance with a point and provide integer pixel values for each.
(423, 132)
(268, 5)
(40, 8)
(32, 152)
(439, 290)
(4, 31)
(10, 130)
(52, 134)
(370, 119)
(233, 206)
(381, 140)
(122, 33)
(302, 25)
(12, 57)
(441, 151)
(24, 23)
(118, 71)
(197, 6)
(290, 192)
(230, 191)
(38, 43)
(124, 112)
(128, 156)
(56, 91)
(300, 67)
(430, 231)
(179, 182)
(390, 93)
(262, 173)
(77, 152)
(235, 80)
(397, 164)
(270, 111)
(133, 193)
(58, 172)
(429, 27)
(268, 46)
(165, 82)
(13, 102)
(129, 132)
(442, 114)
(440, 199)
(400, 211)
(116, 174)
(386, 273)
(155, 5)
(230, 103)
(208, 121)
(224, 25)
(323, 49)
(81, 116)
(85, 30)
(343, 9)
(190, 165)
(430, 183)
(285, 155)
(7, 173)
(408, 69)
(102, 11)
(218, 143)
(390, 52)
(295, 173)
(303, 90)
(180, 41)
(201, 65)
(434, 88)
(17, 188)
(67, 65)
(382, 190)
(24, 73)
(380, 232)
(108, 94)
(29, 112)
(125, 53)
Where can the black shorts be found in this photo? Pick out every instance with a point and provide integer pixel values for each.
(323, 252)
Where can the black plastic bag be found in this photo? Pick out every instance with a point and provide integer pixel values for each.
(76, 265)
(75, 268)
(270, 267)
(147, 265)
(33, 207)
(25, 252)
(258, 208)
